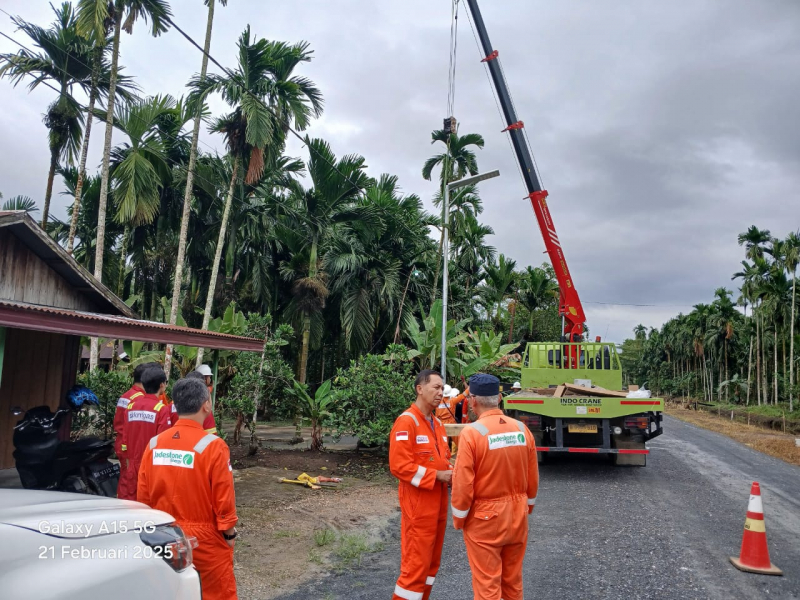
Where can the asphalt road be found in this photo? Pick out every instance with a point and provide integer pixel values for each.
(664, 531)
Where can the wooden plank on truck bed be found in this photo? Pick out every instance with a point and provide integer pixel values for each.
(559, 393)
(596, 391)
(454, 429)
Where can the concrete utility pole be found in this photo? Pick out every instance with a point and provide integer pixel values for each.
(446, 251)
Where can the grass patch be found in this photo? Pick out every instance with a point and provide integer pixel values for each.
(314, 557)
(324, 537)
(286, 534)
(775, 444)
(351, 548)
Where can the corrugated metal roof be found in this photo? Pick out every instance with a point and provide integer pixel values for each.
(21, 315)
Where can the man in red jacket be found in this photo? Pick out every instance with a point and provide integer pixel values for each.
(145, 418)
(419, 457)
(119, 418)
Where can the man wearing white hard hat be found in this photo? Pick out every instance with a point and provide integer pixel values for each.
(443, 411)
(516, 387)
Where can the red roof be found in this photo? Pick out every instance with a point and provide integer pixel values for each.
(21, 315)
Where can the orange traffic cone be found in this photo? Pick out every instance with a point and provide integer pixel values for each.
(754, 556)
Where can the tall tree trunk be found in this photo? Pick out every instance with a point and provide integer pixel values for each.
(758, 360)
(749, 370)
(101, 211)
(187, 195)
(76, 205)
(791, 343)
(212, 284)
(303, 366)
(123, 255)
(48, 193)
(775, 361)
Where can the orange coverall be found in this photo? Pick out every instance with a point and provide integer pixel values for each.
(119, 449)
(417, 450)
(495, 483)
(145, 417)
(186, 472)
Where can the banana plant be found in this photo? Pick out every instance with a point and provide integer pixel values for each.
(427, 340)
(315, 408)
(482, 350)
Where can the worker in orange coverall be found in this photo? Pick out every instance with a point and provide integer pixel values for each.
(136, 391)
(145, 417)
(495, 482)
(209, 424)
(444, 411)
(419, 457)
(186, 472)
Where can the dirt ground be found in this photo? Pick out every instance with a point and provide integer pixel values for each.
(290, 534)
(775, 444)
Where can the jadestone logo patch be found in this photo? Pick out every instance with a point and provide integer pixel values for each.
(174, 458)
(506, 440)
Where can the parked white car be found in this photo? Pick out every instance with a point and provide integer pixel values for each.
(60, 546)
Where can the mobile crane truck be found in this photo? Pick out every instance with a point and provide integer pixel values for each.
(594, 419)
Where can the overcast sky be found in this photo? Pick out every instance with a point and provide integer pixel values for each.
(662, 129)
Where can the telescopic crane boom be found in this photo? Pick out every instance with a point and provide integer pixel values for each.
(570, 307)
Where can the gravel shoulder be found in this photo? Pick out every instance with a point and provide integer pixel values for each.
(664, 531)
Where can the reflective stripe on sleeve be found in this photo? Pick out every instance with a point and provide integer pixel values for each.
(153, 442)
(413, 416)
(418, 477)
(461, 514)
(521, 426)
(407, 594)
(531, 501)
(430, 580)
(480, 428)
(203, 443)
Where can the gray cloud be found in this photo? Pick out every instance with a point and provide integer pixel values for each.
(661, 130)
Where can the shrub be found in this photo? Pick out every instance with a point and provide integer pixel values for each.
(369, 396)
(108, 387)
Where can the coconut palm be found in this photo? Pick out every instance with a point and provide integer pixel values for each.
(187, 196)
(23, 203)
(263, 75)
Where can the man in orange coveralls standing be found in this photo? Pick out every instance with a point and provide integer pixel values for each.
(495, 482)
(145, 417)
(186, 472)
(420, 458)
(136, 391)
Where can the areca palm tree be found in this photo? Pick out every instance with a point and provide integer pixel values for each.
(139, 167)
(93, 19)
(456, 161)
(498, 282)
(63, 61)
(324, 211)
(23, 203)
(536, 288)
(792, 259)
(187, 196)
(263, 74)
(471, 250)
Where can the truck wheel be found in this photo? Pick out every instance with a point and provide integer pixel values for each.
(630, 442)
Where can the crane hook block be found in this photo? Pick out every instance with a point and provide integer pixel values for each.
(492, 56)
(517, 125)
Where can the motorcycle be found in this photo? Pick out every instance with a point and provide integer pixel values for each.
(46, 463)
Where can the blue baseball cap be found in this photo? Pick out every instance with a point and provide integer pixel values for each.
(482, 384)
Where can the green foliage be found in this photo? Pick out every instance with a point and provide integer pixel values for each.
(314, 408)
(108, 387)
(324, 537)
(369, 397)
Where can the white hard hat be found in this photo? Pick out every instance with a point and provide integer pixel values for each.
(516, 385)
(446, 391)
(204, 370)
(454, 392)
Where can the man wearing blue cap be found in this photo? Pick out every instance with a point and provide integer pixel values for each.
(495, 482)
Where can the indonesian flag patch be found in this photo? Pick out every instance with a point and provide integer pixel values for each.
(401, 436)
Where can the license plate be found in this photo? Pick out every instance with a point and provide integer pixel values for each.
(107, 473)
(580, 428)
